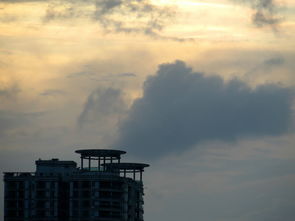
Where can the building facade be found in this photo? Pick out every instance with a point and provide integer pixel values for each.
(103, 190)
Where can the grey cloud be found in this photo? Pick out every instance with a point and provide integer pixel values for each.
(144, 17)
(126, 75)
(10, 91)
(275, 61)
(267, 65)
(66, 9)
(52, 92)
(11, 120)
(118, 76)
(56, 9)
(81, 74)
(8, 18)
(265, 12)
(180, 109)
(7, 121)
(20, 1)
(105, 6)
(139, 16)
(91, 75)
(54, 12)
(45, 1)
(101, 104)
(123, 16)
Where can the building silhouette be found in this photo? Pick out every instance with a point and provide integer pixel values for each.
(102, 189)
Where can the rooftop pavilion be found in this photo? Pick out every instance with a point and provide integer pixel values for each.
(106, 160)
(127, 168)
(101, 156)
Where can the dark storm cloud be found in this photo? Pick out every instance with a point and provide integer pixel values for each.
(265, 12)
(102, 103)
(180, 109)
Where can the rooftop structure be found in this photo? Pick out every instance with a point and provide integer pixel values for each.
(105, 189)
(125, 168)
(99, 155)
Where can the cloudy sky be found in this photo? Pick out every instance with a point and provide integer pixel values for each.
(203, 90)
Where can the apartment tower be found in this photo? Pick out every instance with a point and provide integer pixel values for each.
(102, 189)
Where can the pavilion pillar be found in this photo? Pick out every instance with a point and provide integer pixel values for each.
(104, 163)
(89, 163)
(140, 175)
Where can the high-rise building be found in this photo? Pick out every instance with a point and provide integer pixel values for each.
(102, 189)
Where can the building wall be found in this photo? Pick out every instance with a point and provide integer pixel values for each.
(79, 196)
(30, 198)
(104, 198)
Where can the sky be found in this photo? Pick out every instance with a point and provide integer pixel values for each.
(203, 91)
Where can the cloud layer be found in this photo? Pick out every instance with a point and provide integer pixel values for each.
(180, 109)
(141, 16)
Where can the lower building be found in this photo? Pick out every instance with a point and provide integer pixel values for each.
(60, 191)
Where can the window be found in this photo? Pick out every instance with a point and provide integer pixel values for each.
(86, 203)
(85, 184)
(105, 184)
(75, 203)
(86, 194)
(40, 194)
(75, 194)
(40, 184)
(76, 184)
(85, 213)
(11, 203)
(40, 204)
